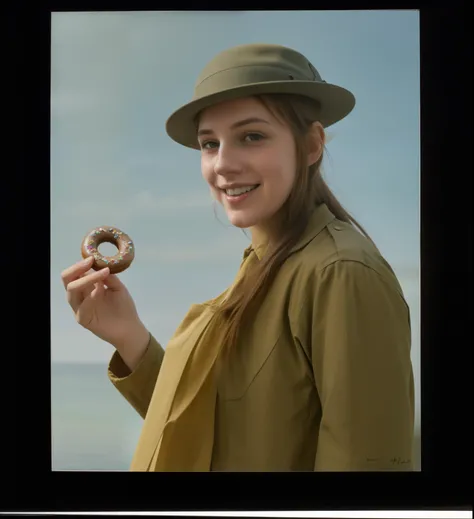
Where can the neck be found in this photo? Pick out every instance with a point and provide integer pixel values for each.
(264, 234)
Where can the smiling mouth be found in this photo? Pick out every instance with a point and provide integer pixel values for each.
(239, 191)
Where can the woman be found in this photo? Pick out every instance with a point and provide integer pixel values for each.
(304, 362)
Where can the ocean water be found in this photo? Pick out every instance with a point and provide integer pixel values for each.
(93, 426)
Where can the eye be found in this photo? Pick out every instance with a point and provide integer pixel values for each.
(208, 145)
(253, 137)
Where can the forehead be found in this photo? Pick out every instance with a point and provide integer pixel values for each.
(227, 112)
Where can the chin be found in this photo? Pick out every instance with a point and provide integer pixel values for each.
(242, 221)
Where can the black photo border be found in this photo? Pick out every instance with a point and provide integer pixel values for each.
(445, 480)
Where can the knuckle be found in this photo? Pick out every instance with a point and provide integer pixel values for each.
(82, 320)
(79, 318)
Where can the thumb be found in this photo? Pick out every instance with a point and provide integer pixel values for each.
(112, 282)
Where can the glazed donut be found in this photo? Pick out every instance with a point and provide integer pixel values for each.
(117, 263)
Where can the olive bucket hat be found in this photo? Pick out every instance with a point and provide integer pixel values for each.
(254, 69)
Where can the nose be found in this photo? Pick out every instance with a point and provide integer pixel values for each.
(227, 162)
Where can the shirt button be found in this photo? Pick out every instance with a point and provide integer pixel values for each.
(337, 228)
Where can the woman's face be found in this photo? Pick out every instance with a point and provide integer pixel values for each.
(248, 159)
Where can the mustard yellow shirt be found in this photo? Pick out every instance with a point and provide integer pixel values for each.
(320, 380)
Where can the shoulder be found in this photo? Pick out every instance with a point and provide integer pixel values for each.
(340, 254)
(339, 278)
(342, 242)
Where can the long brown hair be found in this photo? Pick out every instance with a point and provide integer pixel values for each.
(309, 190)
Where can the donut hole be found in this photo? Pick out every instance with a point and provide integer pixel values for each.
(107, 249)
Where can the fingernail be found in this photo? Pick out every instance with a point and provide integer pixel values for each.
(88, 260)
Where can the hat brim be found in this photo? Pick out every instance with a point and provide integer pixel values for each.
(335, 104)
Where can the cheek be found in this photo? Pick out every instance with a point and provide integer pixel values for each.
(290, 170)
(289, 173)
(210, 178)
(283, 173)
(206, 172)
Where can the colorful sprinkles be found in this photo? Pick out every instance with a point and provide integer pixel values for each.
(113, 235)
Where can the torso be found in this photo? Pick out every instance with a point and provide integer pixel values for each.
(268, 411)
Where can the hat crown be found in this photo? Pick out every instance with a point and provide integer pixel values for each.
(264, 60)
(255, 70)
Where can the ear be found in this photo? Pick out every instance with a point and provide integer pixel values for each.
(316, 141)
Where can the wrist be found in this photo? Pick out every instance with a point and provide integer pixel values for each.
(133, 341)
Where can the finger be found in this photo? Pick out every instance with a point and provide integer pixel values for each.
(76, 271)
(85, 310)
(78, 289)
(84, 274)
(97, 291)
(88, 291)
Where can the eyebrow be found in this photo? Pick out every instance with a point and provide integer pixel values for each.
(237, 124)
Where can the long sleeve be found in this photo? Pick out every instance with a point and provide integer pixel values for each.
(137, 386)
(360, 345)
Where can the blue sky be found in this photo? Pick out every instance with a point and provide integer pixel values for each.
(115, 79)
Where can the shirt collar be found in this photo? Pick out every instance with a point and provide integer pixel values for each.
(318, 220)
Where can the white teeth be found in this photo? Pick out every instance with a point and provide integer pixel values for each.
(239, 190)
